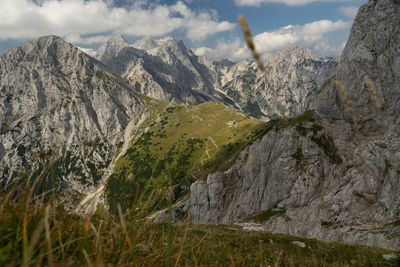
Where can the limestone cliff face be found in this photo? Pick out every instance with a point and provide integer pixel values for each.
(58, 103)
(328, 176)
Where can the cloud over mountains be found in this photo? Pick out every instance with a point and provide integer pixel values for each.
(309, 35)
(286, 2)
(90, 22)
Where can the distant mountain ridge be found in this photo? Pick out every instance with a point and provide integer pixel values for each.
(164, 69)
(168, 70)
(283, 90)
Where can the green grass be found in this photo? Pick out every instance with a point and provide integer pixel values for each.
(37, 233)
(301, 161)
(264, 216)
(177, 145)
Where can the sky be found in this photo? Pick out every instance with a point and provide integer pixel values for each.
(209, 27)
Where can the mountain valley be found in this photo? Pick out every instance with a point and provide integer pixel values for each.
(310, 147)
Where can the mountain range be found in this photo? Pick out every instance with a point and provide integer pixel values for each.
(168, 70)
(309, 147)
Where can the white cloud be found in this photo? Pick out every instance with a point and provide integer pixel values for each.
(286, 2)
(306, 35)
(311, 35)
(231, 50)
(349, 11)
(89, 51)
(76, 18)
(76, 38)
(323, 48)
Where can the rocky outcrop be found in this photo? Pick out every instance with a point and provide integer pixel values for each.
(60, 109)
(322, 174)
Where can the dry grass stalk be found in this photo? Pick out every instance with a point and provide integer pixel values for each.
(251, 158)
(48, 236)
(346, 99)
(34, 241)
(123, 224)
(371, 87)
(250, 43)
(89, 263)
(77, 241)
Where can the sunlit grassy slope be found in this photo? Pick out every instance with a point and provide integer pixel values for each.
(177, 145)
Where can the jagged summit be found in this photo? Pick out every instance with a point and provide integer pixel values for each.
(117, 41)
(291, 55)
(50, 38)
(46, 44)
(146, 43)
(291, 77)
(112, 47)
(163, 68)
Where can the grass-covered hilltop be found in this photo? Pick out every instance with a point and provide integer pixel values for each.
(177, 145)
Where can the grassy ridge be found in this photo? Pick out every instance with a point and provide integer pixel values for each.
(37, 233)
(175, 146)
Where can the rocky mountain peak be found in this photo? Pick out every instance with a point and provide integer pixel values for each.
(117, 41)
(112, 47)
(160, 46)
(146, 43)
(47, 39)
(49, 45)
(292, 55)
(167, 40)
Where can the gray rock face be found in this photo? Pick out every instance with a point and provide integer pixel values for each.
(334, 179)
(372, 49)
(291, 77)
(62, 108)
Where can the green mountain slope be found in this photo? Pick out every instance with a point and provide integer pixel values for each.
(177, 145)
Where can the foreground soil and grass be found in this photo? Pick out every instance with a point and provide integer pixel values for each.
(36, 231)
